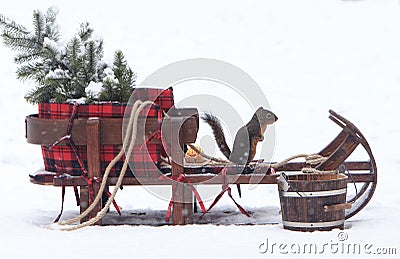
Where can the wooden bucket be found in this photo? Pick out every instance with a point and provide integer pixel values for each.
(314, 202)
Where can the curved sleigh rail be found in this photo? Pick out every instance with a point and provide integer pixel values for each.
(364, 195)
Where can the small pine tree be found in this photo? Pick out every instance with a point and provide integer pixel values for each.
(64, 72)
(118, 87)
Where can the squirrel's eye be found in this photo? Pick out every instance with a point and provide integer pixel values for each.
(269, 116)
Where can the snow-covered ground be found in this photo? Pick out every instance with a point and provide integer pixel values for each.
(308, 56)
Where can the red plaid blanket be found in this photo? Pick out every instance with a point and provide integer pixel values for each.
(62, 159)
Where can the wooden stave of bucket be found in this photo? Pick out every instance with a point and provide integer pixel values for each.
(307, 212)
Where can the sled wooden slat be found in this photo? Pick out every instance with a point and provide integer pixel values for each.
(47, 178)
(182, 197)
(340, 154)
(201, 179)
(93, 161)
(357, 166)
(334, 144)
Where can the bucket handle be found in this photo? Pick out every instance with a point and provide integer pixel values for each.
(335, 207)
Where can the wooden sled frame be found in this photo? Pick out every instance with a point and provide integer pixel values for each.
(184, 125)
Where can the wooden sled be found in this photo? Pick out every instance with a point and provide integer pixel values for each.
(180, 129)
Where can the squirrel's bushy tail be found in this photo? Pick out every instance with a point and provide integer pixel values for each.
(219, 135)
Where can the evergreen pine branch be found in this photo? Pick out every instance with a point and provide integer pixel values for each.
(100, 71)
(119, 59)
(107, 93)
(28, 71)
(93, 55)
(61, 83)
(85, 31)
(99, 50)
(33, 71)
(73, 52)
(121, 87)
(52, 30)
(78, 85)
(75, 63)
(14, 42)
(91, 61)
(122, 71)
(39, 25)
(125, 76)
(41, 94)
(50, 53)
(12, 26)
(119, 64)
(26, 57)
(51, 15)
(133, 79)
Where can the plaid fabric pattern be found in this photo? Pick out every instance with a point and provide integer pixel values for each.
(164, 99)
(61, 158)
(143, 161)
(64, 110)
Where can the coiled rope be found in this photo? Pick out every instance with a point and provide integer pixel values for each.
(311, 159)
(128, 143)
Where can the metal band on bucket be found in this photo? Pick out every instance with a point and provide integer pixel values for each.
(313, 224)
(314, 194)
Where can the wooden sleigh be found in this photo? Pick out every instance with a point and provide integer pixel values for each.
(181, 128)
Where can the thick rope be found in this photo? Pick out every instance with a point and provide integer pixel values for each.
(309, 170)
(107, 172)
(311, 159)
(207, 156)
(130, 134)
